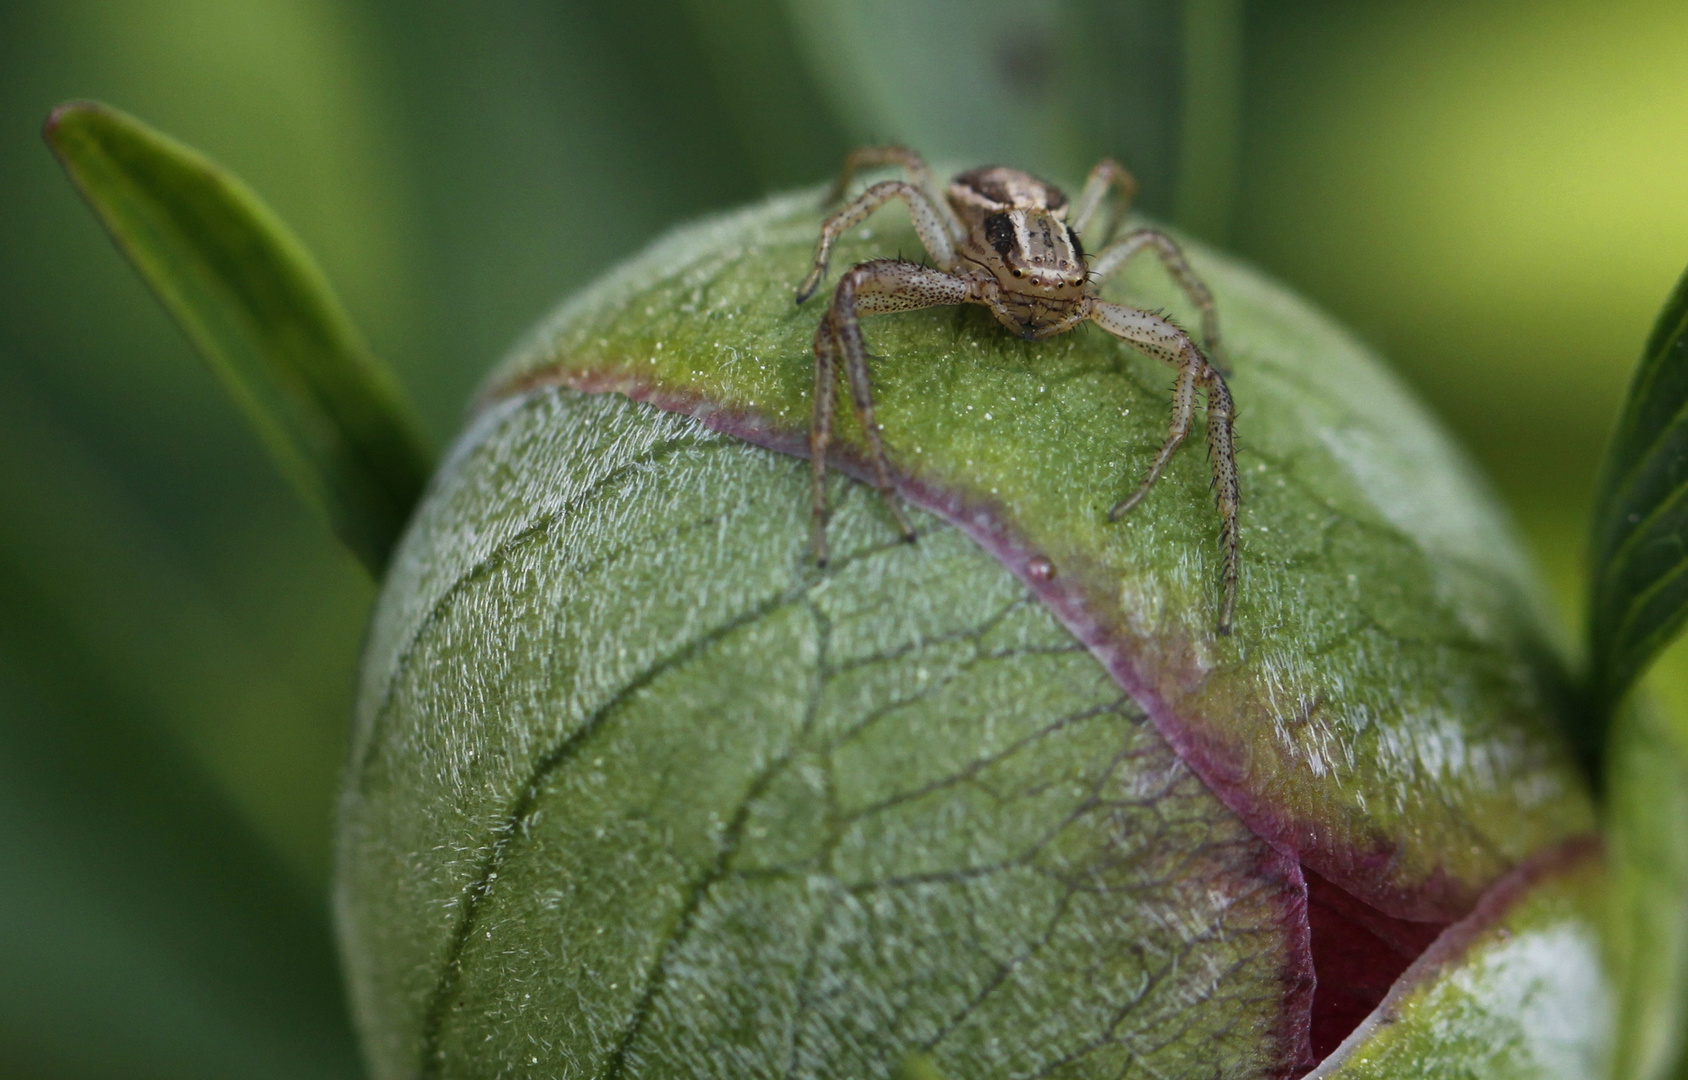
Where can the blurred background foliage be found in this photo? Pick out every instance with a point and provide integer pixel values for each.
(1490, 191)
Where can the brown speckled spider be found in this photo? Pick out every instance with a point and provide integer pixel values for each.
(1001, 238)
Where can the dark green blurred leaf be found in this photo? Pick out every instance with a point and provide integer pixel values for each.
(1640, 546)
(148, 934)
(763, 91)
(1049, 87)
(253, 302)
(1210, 126)
(146, 929)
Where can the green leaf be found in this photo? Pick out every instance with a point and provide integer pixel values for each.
(1640, 547)
(636, 789)
(260, 311)
(148, 932)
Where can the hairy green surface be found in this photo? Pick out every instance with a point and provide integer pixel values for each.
(1523, 997)
(1387, 708)
(261, 313)
(638, 792)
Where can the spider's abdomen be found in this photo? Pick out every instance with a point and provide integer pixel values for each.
(996, 187)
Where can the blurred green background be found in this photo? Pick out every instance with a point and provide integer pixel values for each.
(1490, 191)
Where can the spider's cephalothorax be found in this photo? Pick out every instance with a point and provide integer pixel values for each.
(1014, 229)
(1004, 239)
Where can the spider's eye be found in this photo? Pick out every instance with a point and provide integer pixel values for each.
(999, 233)
(1078, 248)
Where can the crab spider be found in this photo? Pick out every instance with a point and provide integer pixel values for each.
(1002, 238)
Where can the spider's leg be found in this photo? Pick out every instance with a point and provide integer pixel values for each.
(820, 432)
(869, 288)
(1183, 412)
(913, 164)
(1222, 452)
(1165, 341)
(928, 225)
(1107, 173)
(1106, 263)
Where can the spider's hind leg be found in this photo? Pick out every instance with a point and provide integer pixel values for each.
(820, 433)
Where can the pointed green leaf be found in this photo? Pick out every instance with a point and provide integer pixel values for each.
(257, 307)
(1640, 545)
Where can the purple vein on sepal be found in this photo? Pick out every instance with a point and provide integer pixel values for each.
(1066, 586)
(1058, 586)
(1061, 584)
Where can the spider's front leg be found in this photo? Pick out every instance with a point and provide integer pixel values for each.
(1108, 173)
(869, 288)
(1110, 259)
(1160, 338)
(929, 225)
(919, 174)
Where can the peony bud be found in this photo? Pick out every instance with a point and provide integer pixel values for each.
(637, 791)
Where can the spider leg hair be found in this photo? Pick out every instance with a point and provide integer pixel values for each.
(1165, 341)
(870, 288)
(1108, 262)
(928, 225)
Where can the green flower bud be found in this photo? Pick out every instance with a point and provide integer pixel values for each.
(637, 790)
